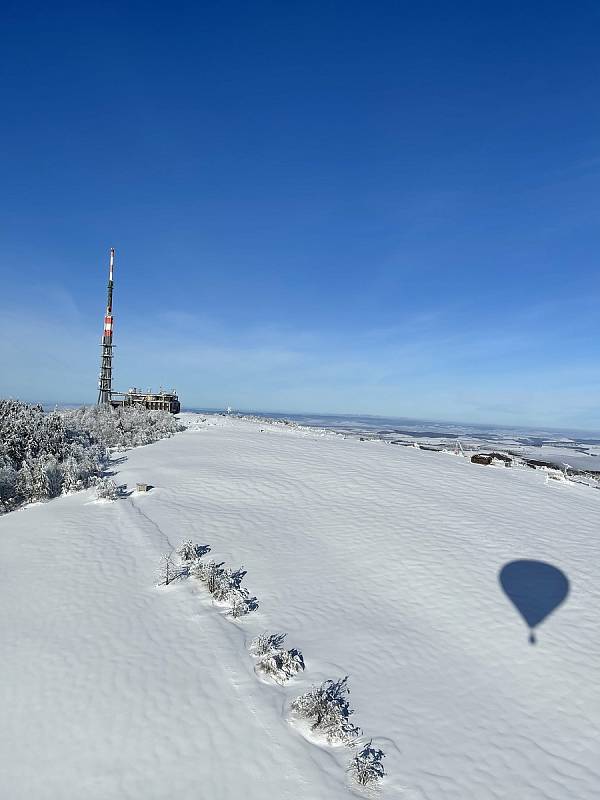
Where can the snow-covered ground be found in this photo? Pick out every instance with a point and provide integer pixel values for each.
(579, 450)
(379, 562)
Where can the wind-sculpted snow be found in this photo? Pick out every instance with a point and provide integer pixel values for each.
(326, 706)
(380, 563)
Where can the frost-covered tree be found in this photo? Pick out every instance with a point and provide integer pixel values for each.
(54, 475)
(107, 489)
(228, 589)
(242, 603)
(225, 586)
(41, 484)
(210, 573)
(25, 484)
(327, 707)
(72, 475)
(42, 455)
(188, 551)
(273, 659)
(35, 448)
(8, 486)
(170, 570)
(229, 582)
(267, 643)
(282, 664)
(122, 427)
(366, 767)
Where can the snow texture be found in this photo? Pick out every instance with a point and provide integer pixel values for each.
(379, 562)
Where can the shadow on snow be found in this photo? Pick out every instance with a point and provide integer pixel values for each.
(535, 588)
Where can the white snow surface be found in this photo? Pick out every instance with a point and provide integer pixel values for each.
(379, 562)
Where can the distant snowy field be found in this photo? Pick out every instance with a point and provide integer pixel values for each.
(577, 449)
(378, 562)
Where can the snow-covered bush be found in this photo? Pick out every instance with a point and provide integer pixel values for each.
(242, 603)
(273, 659)
(107, 489)
(267, 643)
(53, 477)
(282, 665)
(170, 570)
(42, 455)
(122, 427)
(209, 572)
(328, 709)
(188, 551)
(228, 589)
(366, 767)
(229, 582)
(8, 486)
(225, 585)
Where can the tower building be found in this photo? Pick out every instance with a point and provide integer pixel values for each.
(105, 379)
(160, 401)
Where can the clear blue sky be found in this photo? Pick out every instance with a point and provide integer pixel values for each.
(331, 206)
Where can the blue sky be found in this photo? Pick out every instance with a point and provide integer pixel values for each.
(336, 206)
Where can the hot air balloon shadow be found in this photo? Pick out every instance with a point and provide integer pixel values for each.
(535, 588)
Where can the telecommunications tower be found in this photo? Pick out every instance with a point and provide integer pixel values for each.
(156, 401)
(105, 380)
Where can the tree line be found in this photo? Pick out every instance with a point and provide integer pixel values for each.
(43, 455)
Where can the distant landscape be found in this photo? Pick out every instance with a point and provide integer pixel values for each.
(579, 449)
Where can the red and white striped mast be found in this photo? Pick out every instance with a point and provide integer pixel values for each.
(105, 380)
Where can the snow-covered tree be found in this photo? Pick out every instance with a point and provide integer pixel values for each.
(225, 586)
(188, 551)
(328, 709)
(37, 446)
(8, 487)
(170, 570)
(122, 427)
(210, 573)
(41, 484)
(366, 767)
(242, 603)
(267, 643)
(281, 665)
(55, 476)
(42, 455)
(25, 486)
(229, 582)
(107, 489)
(273, 659)
(71, 474)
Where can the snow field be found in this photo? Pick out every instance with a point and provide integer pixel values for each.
(325, 707)
(378, 562)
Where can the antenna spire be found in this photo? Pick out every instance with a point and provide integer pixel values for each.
(105, 379)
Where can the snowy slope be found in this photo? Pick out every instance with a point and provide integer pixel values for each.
(379, 562)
